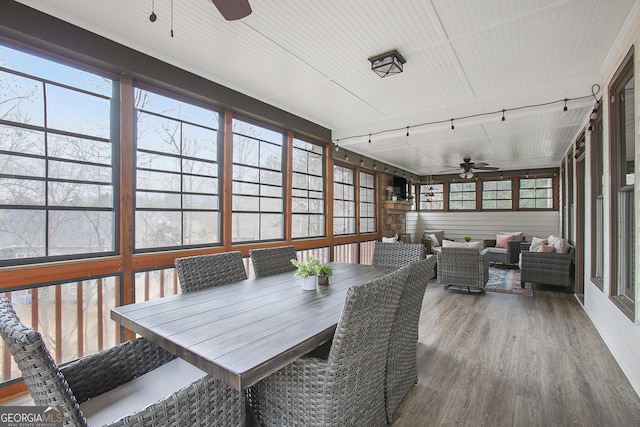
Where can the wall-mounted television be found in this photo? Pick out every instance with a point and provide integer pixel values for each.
(400, 187)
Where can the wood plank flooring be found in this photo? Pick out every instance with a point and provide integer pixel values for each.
(512, 360)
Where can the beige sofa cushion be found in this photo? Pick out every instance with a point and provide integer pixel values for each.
(497, 250)
(469, 245)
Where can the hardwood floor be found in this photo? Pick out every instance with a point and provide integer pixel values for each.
(511, 360)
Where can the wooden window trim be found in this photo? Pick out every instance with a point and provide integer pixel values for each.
(626, 305)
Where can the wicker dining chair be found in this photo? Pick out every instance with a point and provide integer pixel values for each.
(347, 387)
(270, 261)
(402, 369)
(206, 271)
(396, 254)
(135, 383)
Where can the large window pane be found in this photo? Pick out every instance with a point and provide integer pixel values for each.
(177, 174)
(258, 193)
(308, 190)
(623, 136)
(462, 196)
(431, 196)
(536, 193)
(496, 194)
(367, 203)
(344, 215)
(57, 192)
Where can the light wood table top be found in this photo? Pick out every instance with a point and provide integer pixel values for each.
(242, 332)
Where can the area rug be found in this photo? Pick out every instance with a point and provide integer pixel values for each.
(507, 281)
(503, 280)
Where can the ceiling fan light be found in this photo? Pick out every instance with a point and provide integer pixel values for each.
(387, 63)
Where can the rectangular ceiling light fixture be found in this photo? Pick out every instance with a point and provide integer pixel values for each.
(387, 63)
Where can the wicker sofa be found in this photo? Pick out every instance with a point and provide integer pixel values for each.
(546, 268)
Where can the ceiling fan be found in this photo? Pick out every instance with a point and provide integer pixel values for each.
(468, 167)
(232, 10)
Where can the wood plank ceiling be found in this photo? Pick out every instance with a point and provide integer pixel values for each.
(464, 58)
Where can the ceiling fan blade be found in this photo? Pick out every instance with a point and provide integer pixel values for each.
(486, 168)
(479, 165)
(232, 10)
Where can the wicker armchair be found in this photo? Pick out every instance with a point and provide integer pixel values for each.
(509, 256)
(135, 383)
(396, 254)
(461, 268)
(270, 261)
(205, 271)
(348, 387)
(546, 268)
(402, 370)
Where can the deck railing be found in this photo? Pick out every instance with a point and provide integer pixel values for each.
(73, 318)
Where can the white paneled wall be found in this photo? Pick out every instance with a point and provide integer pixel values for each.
(484, 225)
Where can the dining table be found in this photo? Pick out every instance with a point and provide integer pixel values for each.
(242, 332)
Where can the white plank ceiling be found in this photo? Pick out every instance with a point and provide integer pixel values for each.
(464, 58)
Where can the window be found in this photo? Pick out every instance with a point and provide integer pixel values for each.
(496, 195)
(367, 203)
(623, 186)
(344, 201)
(177, 183)
(57, 187)
(462, 196)
(431, 197)
(597, 201)
(536, 193)
(258, 206)
(307, 203)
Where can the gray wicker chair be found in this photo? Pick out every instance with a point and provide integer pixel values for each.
(205, 271)
(463, 268)
(402, 370)
(546, 268)
(348, 387)
(204, 402)
(510, 256)
(396, 254)
(270, 261)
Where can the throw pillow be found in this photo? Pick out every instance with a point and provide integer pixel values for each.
(536, 245)
(502, 239)
(438, 233)
(546, 248)
(560, 244)
(537, 239)
(389, 240)
(518, 236)
(434, 240)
